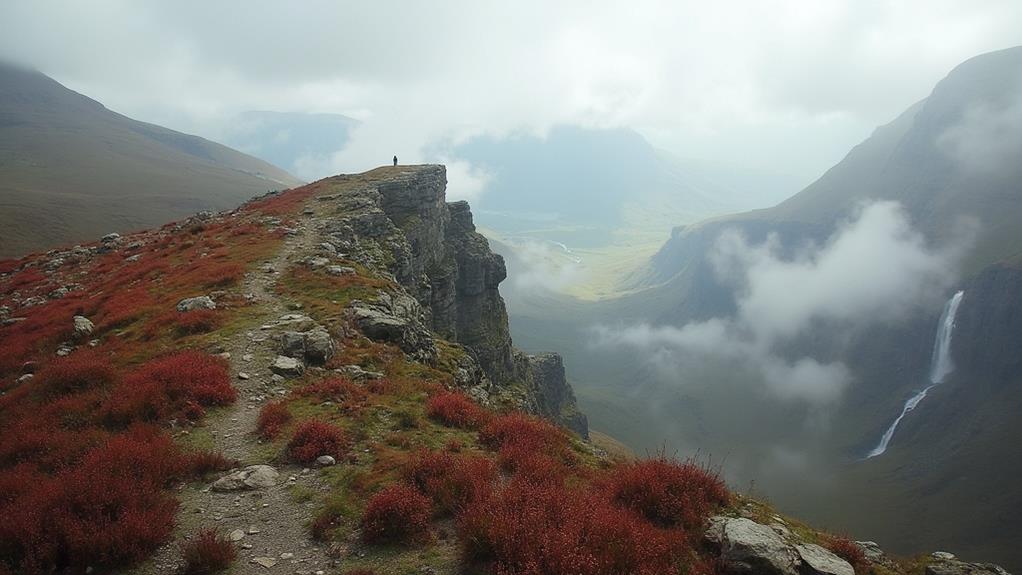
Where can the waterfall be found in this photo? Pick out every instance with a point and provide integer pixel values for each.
(940, 367)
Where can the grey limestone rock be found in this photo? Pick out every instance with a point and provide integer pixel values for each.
(820, 561)
(251, 477)
(194, 303)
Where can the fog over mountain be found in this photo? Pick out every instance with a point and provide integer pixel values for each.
(779, 87)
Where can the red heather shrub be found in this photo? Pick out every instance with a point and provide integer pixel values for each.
(547, 529)
(205, 462)
(215, 274)
(74, 373)
(123, 307)
(323, 524)
(8, 266)
(314, 438)
(398, 514)
(451, 481)
(208, 552)
(848, 551)
(196, 321)
(456, 410)
(109, 510)
(188, 375)
(382, 386)
(520, 438)
(667, 492)
(338, 390)
(25, 278)
(272, 418)
(135, 400)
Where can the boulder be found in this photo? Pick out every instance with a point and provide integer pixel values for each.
(952, 566)
(748, 547)
(325, 461)
(295, 322)
(194, 303)
(820, 561)
(872, 551)
(319, 346)
(287, 367)
(316, 346)
(340, 271)
(292, 344)
(251, 477)
(83, 326)
(110, 238)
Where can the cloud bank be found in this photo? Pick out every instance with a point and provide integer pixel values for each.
(873, 269)
(988, 138)
(786, 86)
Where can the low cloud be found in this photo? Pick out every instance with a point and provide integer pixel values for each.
(544, 266)
(988, 138)
(873, 269)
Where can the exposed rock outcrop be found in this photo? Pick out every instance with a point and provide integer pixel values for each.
(194, 303)
(401, 227)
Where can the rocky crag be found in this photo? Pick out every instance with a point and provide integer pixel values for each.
(400, 227)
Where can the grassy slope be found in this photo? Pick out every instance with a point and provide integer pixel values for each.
(71, 170)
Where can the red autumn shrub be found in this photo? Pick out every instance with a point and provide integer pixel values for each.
(25, 278)
(196, 321)
(211, 274)
(450, 481)
(203, 463)
(339, 390)
(208, 552)
(519, 438)
(188, 376)
(667, 492)
(544, 528)
(74, 373)
(314, 438)
(272, 418)
(135, 400)
(123, 307)
(109, 510)
(323, 524)
(847, 550)
(456, 410)
(398, 514)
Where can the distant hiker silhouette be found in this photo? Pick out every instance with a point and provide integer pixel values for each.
(395, 160)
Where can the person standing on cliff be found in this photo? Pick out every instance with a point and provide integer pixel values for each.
(395, 160)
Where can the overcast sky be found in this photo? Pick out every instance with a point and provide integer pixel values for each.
(784, 85)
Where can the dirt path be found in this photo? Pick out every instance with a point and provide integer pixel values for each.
(270, 522)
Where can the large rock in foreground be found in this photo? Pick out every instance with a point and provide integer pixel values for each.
(748, 547)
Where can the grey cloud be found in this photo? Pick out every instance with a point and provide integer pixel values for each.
(875, 266)
(988, 137)
(785, 86)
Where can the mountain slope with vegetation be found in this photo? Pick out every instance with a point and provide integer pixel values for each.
(71, 170)
(323, 381)
(951, 162)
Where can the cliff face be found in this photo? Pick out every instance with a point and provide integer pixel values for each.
(400, 226)
(989, 326)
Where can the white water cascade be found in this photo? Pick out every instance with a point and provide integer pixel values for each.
(940, 367)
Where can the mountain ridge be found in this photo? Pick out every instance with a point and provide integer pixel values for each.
(73, 169)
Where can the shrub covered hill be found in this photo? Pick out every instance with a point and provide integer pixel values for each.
(322, 381)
